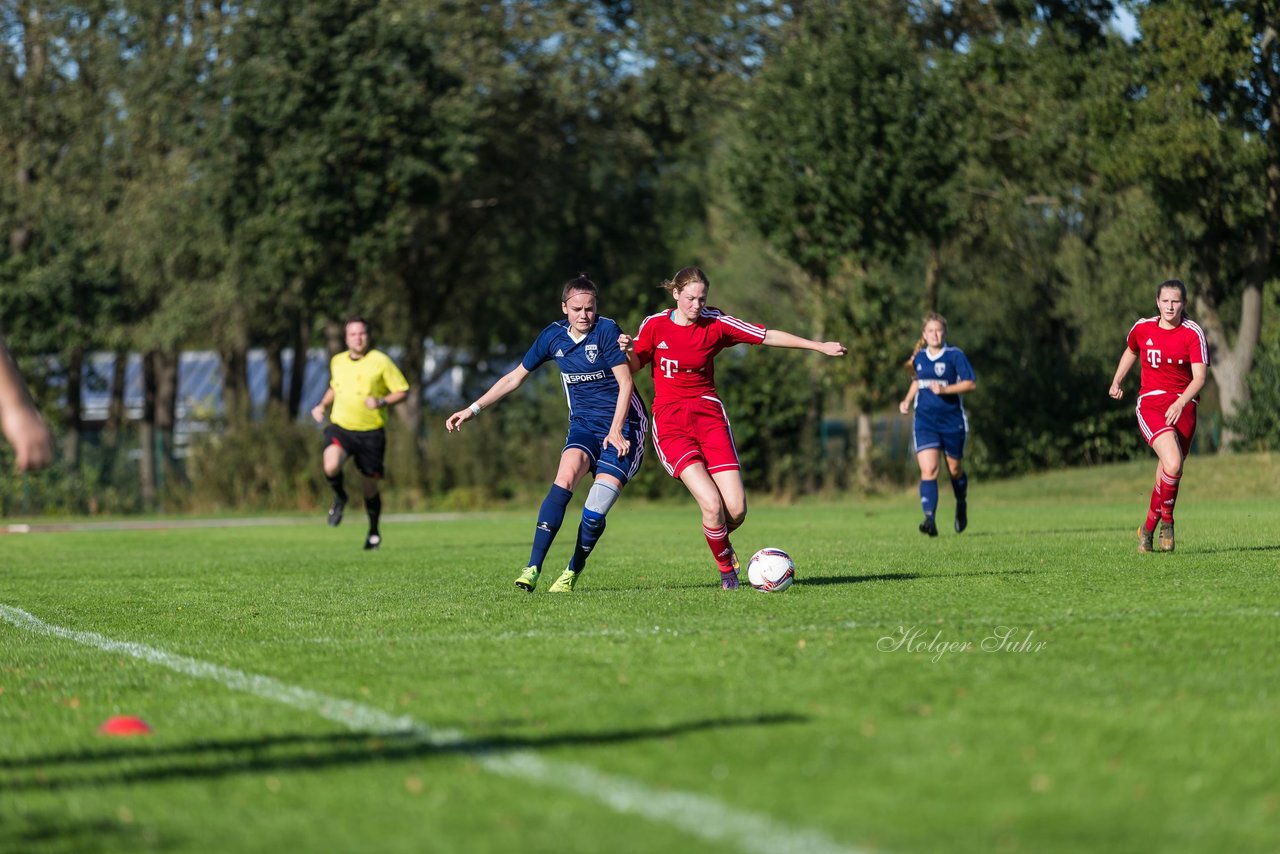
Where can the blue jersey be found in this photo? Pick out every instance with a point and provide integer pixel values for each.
(586, 370)
(941, 411)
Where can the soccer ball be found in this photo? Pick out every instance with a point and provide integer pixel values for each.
(771, 570)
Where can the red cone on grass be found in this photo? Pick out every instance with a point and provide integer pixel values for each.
(124, 725)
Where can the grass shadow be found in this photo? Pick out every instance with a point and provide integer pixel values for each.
(822, 580)
(1226, 550)
(905, 576)
(211, 759)
(38, 831)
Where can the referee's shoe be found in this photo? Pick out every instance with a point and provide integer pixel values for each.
(335, 511)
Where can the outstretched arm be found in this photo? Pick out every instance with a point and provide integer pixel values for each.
(20, 420)
(778, 338)
(1127, 360)
(503, 387)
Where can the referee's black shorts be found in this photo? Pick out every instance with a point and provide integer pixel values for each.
(367, 447)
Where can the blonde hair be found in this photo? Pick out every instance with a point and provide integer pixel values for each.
(909, 364)
(683, 278)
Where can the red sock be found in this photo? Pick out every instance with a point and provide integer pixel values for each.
(1153, 510)
(718, 540)
(1168, 495)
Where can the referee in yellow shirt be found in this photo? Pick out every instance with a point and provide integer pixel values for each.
(363, 383)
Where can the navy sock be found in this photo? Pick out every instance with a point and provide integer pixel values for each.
(550, 515)
(960, 486)
(929, 497)
(589, 533)
(374, 506)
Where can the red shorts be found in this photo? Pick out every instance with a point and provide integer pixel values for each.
(694, 431)
(1151, 409)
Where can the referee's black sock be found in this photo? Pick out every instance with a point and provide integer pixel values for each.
(374, 505)
(336, 482)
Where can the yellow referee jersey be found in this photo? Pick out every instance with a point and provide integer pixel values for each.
(353, 380)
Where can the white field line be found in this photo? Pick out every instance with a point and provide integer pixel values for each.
(695, 814)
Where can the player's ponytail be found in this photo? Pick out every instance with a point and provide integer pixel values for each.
(687, 276)
(910, 363)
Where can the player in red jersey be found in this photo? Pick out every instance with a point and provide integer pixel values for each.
(690, 427)
(1175, 356)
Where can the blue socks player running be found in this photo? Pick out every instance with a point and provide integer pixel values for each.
(550, 517)
(601, 497)
(588, 535)
(929, 504)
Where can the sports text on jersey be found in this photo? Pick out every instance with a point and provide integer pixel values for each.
(573, 379)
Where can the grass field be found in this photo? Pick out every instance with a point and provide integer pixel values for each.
(307, 696)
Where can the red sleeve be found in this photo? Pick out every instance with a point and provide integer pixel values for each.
(1132, 339)
(1199, 345)
(739, 331)
(642, 346)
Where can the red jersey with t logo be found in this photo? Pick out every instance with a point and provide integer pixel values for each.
(1167, 354)
(683, 357)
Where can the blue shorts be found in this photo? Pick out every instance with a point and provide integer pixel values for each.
(951, 442)
(590, 440)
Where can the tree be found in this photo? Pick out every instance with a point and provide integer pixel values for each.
(60, 292)
(842, 163)
(1206, 146)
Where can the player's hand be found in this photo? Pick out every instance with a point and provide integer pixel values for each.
(904, 407)
(1116, 391)
(616, 439)
(625, 342)
(372, 403)
(26, 431)
(455, 421)
(317, 412)
(833, 348)
(1174, 412)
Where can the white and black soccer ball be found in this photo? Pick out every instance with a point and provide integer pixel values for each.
(771, 570)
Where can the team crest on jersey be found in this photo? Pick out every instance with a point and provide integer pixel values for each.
(939, 368)
(593, 353)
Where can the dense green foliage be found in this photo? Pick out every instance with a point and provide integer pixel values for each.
(305, 695)
(179, 175)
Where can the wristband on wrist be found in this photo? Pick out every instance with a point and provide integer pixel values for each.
(475, 408)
